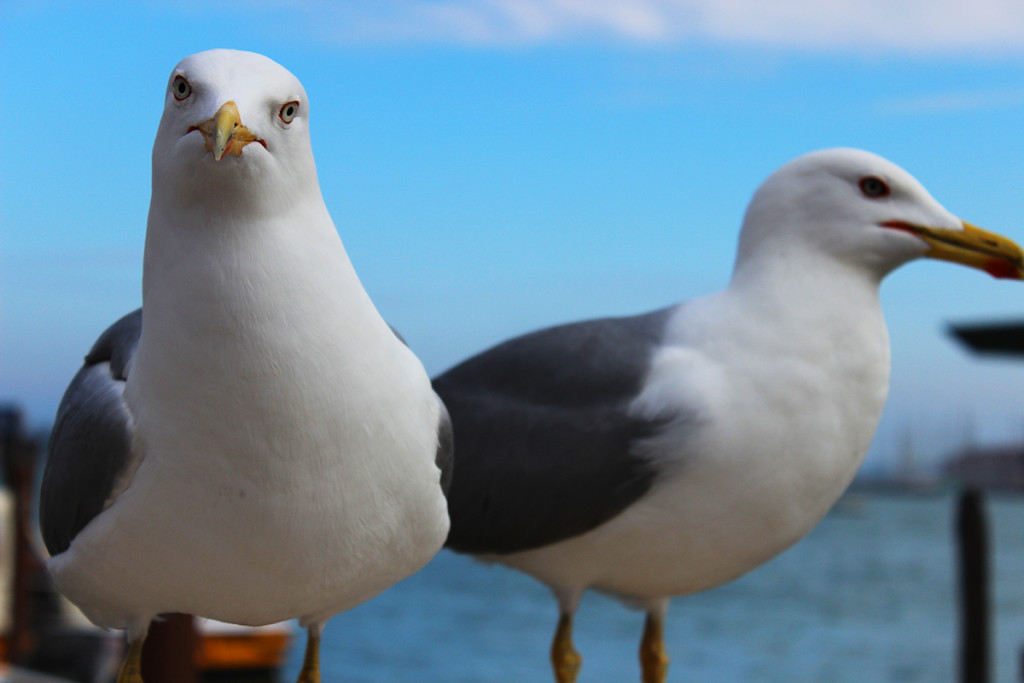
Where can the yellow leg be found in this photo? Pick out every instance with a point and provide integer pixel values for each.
(131, 668)
(653, 658)
(565, 660)
(311, 662)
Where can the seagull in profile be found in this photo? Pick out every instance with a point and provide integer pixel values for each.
(666, 453)
(256, 444)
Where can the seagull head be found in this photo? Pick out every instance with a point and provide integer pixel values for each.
(234, 127)
(862, 211)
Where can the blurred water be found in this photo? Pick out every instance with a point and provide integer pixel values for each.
(868, 596)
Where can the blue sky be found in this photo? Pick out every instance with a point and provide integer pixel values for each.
(501, 165)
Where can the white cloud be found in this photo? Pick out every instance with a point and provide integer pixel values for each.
(820, 25)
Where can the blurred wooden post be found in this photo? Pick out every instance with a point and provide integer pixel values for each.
(972, 535)
(169, 655)
(19, 455)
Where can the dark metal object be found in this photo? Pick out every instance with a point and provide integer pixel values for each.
(169, 655)
(19, 454)
(993, 338)
(975, 620)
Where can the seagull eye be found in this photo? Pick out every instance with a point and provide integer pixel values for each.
(181, 88)
(874, 187)
(289, 110)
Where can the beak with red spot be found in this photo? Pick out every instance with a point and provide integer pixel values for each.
(996, 255)
(224, 133)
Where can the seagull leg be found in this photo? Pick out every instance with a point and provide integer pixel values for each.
(310, 672)
(131, 668)
(653, 658)
(565, 660)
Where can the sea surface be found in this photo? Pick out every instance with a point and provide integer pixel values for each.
(868, 597)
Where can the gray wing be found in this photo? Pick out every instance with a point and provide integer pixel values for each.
(91, 439)
(545, 447)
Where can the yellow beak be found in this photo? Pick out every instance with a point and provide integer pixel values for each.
(224, 133)
(996, 255)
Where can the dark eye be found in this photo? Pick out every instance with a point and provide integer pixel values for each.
(289, 110)
(874, 187)
(181, 88)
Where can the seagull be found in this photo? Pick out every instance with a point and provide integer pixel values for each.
(256, 444)
(665, 453)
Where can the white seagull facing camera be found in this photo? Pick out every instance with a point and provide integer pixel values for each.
(663, 454)
(256, 444)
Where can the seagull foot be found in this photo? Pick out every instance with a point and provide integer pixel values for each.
(565, 660)
(567, 668)
(655, 666)
(653, 657)
(310, 672)
(131, 668)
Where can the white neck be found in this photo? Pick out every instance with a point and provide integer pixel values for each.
(762, 360)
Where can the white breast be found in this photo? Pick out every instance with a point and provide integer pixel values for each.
(287, 443)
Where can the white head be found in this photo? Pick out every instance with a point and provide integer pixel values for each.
(854, 208)
(234, 136)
